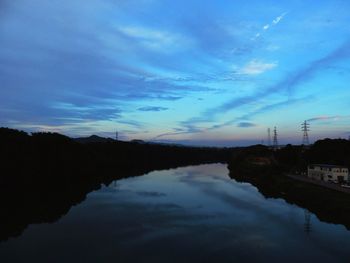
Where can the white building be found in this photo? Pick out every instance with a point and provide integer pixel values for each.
(328, 173)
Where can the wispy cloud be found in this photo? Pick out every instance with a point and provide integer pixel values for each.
(240, 121)
(95, 112)
(264, 109)
(255, 67)
(285, 86)
(152, 108)
(185, 129)
(154, 38)
(266, 27)
(132, 123)
(90, 65)
(278, 19)
(246, 125)
(325, 118)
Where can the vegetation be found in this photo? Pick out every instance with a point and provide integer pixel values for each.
(268, 176)
(44, 174)
(329, 206)
(294, 158)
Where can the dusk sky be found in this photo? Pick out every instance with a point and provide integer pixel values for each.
(194, 72)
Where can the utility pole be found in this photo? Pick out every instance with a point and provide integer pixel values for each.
(305, 127)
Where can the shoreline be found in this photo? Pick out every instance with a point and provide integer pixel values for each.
(334, 187)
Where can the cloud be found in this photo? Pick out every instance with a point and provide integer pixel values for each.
(276, 105)
(87, 71)
(268, 26)
(166, 97)
(154, 38)
(137, 96)
(246, 125)
(95, 112)
(263, 109)
(285, 86)
(92, 63)
(255, 67)
(132, 123)
(152, 108)
(146, 33)
(278, 19)
(185, 129)
(167, 134)
(150, 194)
(324, 118)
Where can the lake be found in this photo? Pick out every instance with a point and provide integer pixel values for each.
(189, 214)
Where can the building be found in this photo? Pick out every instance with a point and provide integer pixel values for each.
(328, 173)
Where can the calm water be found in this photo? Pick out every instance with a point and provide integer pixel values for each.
(191, 214)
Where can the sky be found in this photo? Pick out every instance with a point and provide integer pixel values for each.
(216, 73)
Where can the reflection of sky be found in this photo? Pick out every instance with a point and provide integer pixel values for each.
(197, 72)
(192, 214)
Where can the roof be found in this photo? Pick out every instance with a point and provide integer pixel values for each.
(328, 165)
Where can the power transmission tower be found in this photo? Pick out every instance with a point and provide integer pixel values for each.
(116, 136)
(305, 127)
(275, 140)
(269, 137)
(307, 222)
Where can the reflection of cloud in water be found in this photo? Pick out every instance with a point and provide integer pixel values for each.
(191, 214)
(218, 200)
(150, 194)
(243, 200)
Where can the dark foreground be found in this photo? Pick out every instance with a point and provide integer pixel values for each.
(67, 201)
(191, 214)
(43, 175)
(265, 170)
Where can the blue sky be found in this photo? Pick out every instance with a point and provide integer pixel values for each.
(193, 72)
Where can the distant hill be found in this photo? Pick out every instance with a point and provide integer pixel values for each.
(93, 139)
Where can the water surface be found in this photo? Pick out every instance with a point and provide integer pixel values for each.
(190, 214)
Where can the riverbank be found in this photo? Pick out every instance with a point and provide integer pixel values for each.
(44, 174)
(327, 204)
(331, 186)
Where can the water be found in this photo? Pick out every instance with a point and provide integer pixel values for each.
(191, 214)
